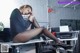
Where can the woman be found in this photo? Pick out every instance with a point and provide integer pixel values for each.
(21, 27)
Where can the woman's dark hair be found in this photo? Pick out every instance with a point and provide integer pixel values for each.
(26, 6)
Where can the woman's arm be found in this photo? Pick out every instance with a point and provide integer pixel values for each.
(35, 23)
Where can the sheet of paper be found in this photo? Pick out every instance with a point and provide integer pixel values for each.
(64, 28)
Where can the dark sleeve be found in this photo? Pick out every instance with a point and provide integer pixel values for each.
(17, 23)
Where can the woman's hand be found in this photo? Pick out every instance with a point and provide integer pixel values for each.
(31, 17)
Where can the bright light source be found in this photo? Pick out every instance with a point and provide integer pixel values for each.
(74, 0)
(6, 6)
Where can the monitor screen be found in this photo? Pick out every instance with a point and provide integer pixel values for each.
(70, 22)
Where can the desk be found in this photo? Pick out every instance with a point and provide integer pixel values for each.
(67, 35)
(36, 42)
(16, 45)
(69, 41)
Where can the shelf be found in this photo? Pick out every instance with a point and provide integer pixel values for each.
(69, 32)
(68, 39)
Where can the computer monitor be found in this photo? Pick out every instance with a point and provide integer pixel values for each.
(70, 22)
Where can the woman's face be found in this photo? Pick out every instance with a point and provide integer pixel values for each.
(27, 11)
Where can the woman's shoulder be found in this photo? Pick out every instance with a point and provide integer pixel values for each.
(16, 10)
(15, 13)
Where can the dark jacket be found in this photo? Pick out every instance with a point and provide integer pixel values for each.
(17, 23)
